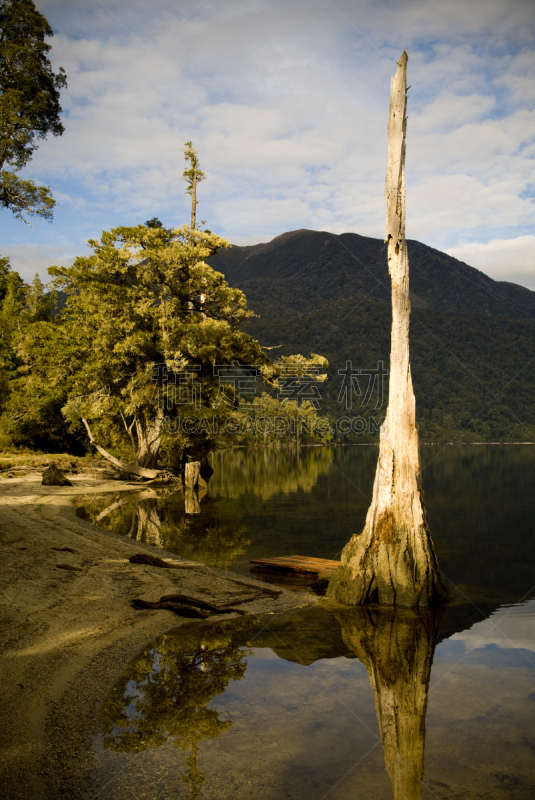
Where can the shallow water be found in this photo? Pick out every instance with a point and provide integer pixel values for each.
(283, 707)
(260, 503)
(326, 702)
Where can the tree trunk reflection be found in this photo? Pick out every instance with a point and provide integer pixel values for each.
(396, 646)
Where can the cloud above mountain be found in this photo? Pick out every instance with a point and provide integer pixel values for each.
(288, 105)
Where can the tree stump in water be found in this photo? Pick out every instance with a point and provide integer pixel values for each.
(191, 474)
(392, 562)
(52, 476)
(191, 482)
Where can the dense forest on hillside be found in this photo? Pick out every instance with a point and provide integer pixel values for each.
(472, 338)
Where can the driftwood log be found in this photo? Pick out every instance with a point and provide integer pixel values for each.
(186, 606)
(393, 561)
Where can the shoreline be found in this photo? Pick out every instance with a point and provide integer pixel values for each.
(67, 628)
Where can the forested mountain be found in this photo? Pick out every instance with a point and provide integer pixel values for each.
(472, 338)
(314, 266)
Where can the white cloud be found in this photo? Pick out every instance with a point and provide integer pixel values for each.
(503, 259)
(27, 259)
(288, 104)
(509, 627)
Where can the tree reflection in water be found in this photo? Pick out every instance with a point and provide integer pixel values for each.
(159, 519)
(268, 472)
(163, 695)
(396, 646)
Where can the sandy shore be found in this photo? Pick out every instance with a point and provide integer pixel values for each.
(66, 634)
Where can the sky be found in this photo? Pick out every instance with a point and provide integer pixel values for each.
(287, 103)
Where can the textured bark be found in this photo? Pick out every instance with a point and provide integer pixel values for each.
(396, 647)
(149, 438)
(392, 561)
(191, 474)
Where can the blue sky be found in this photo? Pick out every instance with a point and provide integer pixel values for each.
(287, 103)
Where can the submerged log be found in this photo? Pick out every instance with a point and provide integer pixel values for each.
(393, 561)
(52, 476)
(396, 646)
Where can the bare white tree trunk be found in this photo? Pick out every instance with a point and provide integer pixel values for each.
(392, 561)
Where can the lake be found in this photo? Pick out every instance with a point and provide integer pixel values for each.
(323, 701)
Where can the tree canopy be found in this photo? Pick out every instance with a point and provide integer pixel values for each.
(29, 104)
(135, 349)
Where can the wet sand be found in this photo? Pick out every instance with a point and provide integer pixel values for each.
(67, 628)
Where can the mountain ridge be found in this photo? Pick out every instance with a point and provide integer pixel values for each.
(333, 265)
(472, 338)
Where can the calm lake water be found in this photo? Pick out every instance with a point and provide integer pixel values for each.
(327, 702)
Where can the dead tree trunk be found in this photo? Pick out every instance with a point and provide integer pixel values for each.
(122, 466)
(392, 561)
(396, 647)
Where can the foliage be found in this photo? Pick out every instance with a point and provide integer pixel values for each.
(24, 196)
(36, 420)
(285, 423)
(29, 104)
(133, 332)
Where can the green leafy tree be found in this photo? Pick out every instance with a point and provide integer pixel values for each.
(29, 104)
(286, 423)
(40, 424)
(9, 307)
(131, 328)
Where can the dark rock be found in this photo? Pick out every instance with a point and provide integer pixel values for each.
(54, 477)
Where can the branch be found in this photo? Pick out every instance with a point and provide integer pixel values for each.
(131, 469)
(128, 428)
